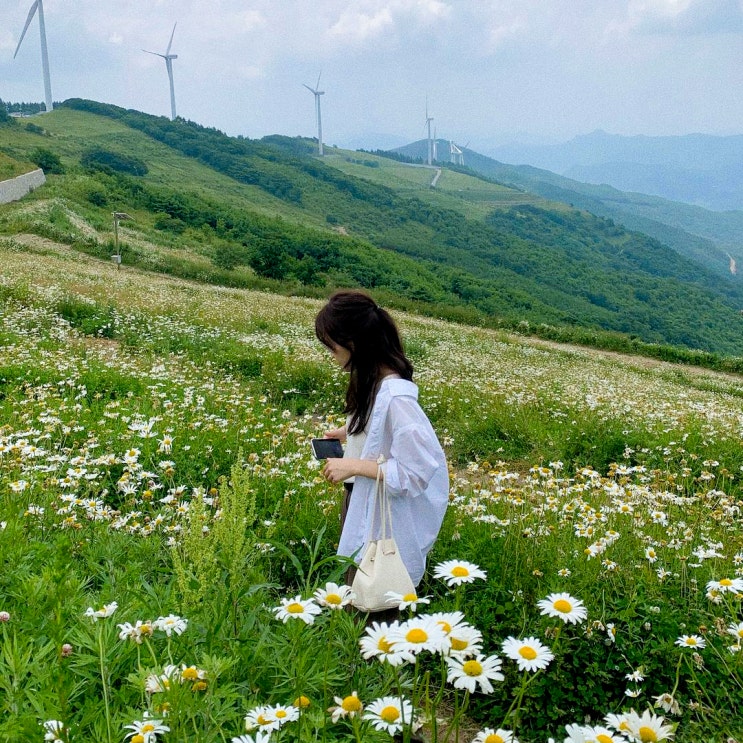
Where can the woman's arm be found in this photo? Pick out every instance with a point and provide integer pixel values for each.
(338, 470)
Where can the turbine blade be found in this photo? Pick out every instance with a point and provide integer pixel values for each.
(28, 23)
(309, 88)
(157, 54)
(170, 43)
(317, 87)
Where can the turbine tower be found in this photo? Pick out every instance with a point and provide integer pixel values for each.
(168, 57)
(39, 6)
(429, 119)
(317, 93)
(456, 154)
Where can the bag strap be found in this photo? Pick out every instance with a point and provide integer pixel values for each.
(385, 510)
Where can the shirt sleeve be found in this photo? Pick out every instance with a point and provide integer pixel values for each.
(413, 459)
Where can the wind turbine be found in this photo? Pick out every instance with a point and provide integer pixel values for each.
(429, 119)
(317, 93)
(456, 154)
(38, 6)
(168, 57)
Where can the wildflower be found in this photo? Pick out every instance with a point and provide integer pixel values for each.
(146, 731)
(691, 641)
(106, 611)
(408, 600)
(467, 674)
(418, 634)
(589, 734)
(564, 572)
(349, 706)
(334, 596)
(301, 702)
(156, 684)
(611, 632)
(620, 723)
(564, 606)
(136, 632)
(648, 727)
(456, 572)
(261, 718)
(4, 616)
(636, 676)
(54, 730)
(389, 714)
(464, 640)
(736, 630)
(377, 643)
(494, 736)
(259, 737)
(726, 585)
(170, 624)
(283, 713)
(529, 654)
(650, 554)
(296, 608)
(632, 693)
(66, 650)
(667, 703)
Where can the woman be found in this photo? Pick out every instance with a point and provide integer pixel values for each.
(383, 419)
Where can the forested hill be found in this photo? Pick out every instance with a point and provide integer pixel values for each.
(270, 214)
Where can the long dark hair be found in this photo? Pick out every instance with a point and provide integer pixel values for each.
(354, 321)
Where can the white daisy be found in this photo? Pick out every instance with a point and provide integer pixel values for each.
(348, 706)
(170, 624)
(334, 596)
(408, 600)
(530, 654)
(456, 572)
(691, 641)
(468, 674)
(418, 634)
(262, 718)
(297, 608)
(495, 736)
(389, 714)
(106, 611)
(726, 585)
(648, 727)
(564, 606)
(259, 737)
(736, 630)
(147, 730)
(376, 643)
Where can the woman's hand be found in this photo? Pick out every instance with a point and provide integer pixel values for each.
(336, 433)
(338, 470)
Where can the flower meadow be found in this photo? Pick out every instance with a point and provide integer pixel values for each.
(168, 543)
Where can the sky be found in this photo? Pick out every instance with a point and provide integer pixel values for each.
(489, 71)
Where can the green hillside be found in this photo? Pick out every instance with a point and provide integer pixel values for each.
(268, 214)
(707, 237)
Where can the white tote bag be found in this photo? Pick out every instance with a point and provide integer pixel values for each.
(381, 568)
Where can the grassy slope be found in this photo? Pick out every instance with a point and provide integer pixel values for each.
(440, 251)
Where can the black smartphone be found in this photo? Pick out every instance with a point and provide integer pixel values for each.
(327, 448)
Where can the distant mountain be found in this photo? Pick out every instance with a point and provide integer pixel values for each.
(713, 239)
(698, 169)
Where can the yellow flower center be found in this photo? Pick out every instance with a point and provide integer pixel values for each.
(261, 720)
(494, 738)
(280, 713)
(302, 702)
(384, 645)
(138, 738)
(458, 644)
(148, 728)
(472, 668)
(691, 641)
(410, 597)
(190, 674)
(199, 686)
(460, 571)
(647, 735)
(295, 608)
(563, 606)
(527, 652)
(333, 598)
(351, 704)
(390, 714)
(416, 636)
(726, 582)
(601, 738)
